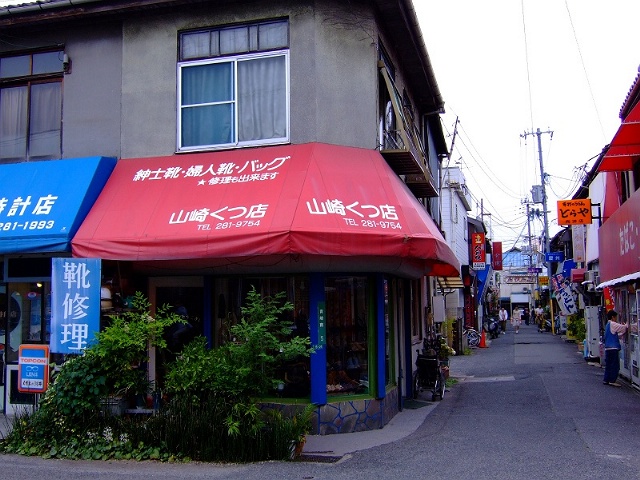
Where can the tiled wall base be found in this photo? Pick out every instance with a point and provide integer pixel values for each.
(348, 416)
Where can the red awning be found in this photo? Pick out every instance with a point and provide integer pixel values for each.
(577, 275)
(310, 207)
(624, 149)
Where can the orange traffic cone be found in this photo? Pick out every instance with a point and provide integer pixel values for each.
(483, 340)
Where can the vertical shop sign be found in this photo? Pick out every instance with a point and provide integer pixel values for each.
(469, 312)
(578, 239)
(496, 257)
(75, 312)
(322, 324)
(33, 368)
(478, 251)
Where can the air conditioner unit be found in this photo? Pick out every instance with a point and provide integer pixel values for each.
(590, 280)
(589, 275)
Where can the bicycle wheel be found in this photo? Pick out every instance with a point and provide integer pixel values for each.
(443, 385)
(416, 384)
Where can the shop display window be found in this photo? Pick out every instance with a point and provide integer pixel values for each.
(347, 335)
(27, 308)
(230, 296)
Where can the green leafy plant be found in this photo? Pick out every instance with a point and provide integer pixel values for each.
(447, 330)
(211, 413)
(245, 367)
(576, 327)
(123, 346)
(70, 412)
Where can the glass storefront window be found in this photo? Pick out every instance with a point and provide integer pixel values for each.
(28, 315)
(347, 335)
(230, 295)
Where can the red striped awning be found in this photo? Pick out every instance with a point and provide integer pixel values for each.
(624, 149)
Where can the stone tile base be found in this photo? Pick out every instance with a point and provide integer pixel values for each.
(347, 416)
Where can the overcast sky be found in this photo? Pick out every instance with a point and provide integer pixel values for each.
(506, 67)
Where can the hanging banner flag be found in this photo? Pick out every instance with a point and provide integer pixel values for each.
(609, 304)
(75, 309)
(564, 294)
(496, 259)
(478, 251)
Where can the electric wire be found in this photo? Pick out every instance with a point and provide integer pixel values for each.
(526, 58)
(586, 75)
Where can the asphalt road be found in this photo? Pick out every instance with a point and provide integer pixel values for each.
(528, 407)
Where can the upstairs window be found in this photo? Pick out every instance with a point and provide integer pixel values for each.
(31, 106)
(233, 86)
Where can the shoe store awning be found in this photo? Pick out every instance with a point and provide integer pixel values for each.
(624, 149)
(42, 204)
(306, 207)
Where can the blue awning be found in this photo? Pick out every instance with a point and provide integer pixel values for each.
(482, 281)
(42, 204)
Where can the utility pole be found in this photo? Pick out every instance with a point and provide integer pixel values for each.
(547, 265)
(530, 254)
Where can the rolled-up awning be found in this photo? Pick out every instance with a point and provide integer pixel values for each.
(295, 207)
(42, 204)
(624, 149)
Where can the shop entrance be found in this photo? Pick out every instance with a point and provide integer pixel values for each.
(185, 296)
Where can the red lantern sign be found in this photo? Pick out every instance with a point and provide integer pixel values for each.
(478, 251)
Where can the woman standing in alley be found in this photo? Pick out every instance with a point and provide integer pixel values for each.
(516, 319)
(612, 332)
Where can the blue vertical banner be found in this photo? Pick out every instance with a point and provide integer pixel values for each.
(75, 309)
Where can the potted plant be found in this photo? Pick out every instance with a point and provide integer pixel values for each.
(301, 425)
(576, 329)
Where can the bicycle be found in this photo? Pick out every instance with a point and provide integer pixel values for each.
(473, 337)
(429, 374)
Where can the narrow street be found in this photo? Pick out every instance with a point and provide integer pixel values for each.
(529, 406)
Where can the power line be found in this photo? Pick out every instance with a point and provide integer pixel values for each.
(584, 69)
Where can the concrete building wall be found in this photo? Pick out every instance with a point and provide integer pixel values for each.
(122, 92)
(454, 224)
(120, 98)
(91, 98)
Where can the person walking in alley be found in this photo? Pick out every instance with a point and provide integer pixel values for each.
(503, 316)
(612, 332)
(516, 319)
(539, 315)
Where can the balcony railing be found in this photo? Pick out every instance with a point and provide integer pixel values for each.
(401, 145)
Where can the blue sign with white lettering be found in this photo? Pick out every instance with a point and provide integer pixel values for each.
(554, 256)
(75, 309)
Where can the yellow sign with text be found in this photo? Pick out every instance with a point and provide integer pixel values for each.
(574, 212)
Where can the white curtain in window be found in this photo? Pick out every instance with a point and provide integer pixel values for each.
(207, 105)
(46, 120)
(262, 103)
(13, 123)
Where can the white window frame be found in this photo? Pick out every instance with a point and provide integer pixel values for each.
(236, 143)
